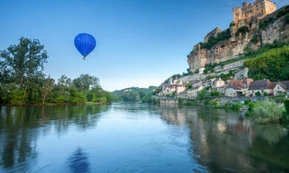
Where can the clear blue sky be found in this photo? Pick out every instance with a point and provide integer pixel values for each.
(139, 42)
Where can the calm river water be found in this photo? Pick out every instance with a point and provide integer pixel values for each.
(137, 138)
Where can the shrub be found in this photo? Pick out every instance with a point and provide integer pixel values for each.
(266, 112)
(286, 104)
(286, 18)
(212, 41)
(247, 101)
(236, 106)
(265, 94)
(180, 101)
(232, 24)
(215, 93)
(258, 94)
(190, 103)
(242, 30)
(265, 23)
(254, 39)
(214, 102)
(251, 106)
(189, 86)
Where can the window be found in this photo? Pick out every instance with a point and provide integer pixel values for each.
(278, 87)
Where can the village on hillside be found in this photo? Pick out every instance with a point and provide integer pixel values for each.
(232, 88)
(215, 49)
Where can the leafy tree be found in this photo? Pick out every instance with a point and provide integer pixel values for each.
(47, 88)
(215, 93)
(22, 64)
(85, 82)
(202, 95)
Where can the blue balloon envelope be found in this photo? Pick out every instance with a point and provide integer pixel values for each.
(84, 43)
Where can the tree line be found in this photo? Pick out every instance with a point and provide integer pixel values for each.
(134, 94)
(22, 80)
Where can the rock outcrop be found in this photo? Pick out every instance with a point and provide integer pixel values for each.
(242, 33)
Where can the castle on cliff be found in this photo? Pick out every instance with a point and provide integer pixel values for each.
(259, 9)
(224, 45)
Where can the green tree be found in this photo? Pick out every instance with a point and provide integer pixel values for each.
(22, 64)
(47, 88)
(202, 95)
(85, 82)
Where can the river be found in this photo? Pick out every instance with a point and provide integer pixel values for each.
(122, 138)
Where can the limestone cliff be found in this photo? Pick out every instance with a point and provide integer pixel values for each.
(243, 34)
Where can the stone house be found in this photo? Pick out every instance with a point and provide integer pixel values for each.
(197, 83)
(192, 93)
(234, 88)
(221, 89)
(175, 85)
(262, 86)
(217, 83)
(280, 87)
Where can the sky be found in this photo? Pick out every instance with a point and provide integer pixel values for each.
(140, 43)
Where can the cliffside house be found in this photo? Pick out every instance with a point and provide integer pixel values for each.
(175, 85)
(197, 83)
(217, 83)
(192, 93)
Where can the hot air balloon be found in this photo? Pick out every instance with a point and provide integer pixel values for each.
(84, 43)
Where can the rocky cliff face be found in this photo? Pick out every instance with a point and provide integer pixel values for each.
(277, 29)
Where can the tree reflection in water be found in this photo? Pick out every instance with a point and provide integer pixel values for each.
(227, 141)
(78, 162)
(20, 128)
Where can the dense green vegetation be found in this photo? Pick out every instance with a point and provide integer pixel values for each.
(273, 65)
(266, 112)
(249, 54)
(134, 94)
(286, 104)
(22, 80)
(222, 36)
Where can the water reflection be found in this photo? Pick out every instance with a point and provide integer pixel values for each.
(78, 162)
(138, 137)
(226, 141)
(20, 128)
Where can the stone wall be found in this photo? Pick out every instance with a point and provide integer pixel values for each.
(168, 101)
(213, 33)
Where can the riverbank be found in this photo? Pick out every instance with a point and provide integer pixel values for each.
(265, 111)
(56, 104)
